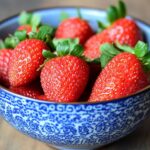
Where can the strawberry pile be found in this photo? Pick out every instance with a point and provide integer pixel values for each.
(71, 62)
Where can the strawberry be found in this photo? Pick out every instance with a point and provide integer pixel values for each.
(28, 91)
(26, 59)
(42, 97)
(123, 74)
(65, 77)
(91, 47)
(120, 29)
(125, 31)
(5, 57)
(74, 28)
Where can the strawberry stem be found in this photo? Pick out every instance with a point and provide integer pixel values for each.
(79, 13)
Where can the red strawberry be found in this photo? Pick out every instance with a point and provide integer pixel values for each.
(64, 79)
(28, 91)
(125, 31)
(27, 28)
(122, 76)
(92, 46)
(74, 28)
(120, 29)
(42, 97)
(26, 59)
(5, 56)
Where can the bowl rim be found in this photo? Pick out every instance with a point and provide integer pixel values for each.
(72, 103)
(144, 90)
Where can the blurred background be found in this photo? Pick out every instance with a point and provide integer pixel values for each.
(136, 8)
(10, 139)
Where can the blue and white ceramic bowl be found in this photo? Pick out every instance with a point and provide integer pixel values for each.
(74, 125)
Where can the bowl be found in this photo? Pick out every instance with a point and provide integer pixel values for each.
(74, 125)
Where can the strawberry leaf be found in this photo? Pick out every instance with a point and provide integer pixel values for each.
(108, 52)
(21, 35)
(77, 50)
(140, 49)
(34, 29)
(104, 59)
(32, 35)
(11, 41)
(101, 26)
(24, 18)
(48, 54)
(2, 44)
(72, 42)
(35, 20)
(67, 46)
(109, 49)
(96, 60)
(64, 16)
(30, 19)
(146, 62)
(45, 33)
(63, 48)
(121, 9)
(112, 14)
(125, 48)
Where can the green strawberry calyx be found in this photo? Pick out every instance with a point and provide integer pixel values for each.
(2, 44)
(108, 51)
(113, 14)
(64, 47)
(44, 33)
(68, 46)
(27, 18)
(141, 51)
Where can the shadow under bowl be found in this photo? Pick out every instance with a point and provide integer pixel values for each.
(73, 125)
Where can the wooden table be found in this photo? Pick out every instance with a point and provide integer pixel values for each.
(10, 139)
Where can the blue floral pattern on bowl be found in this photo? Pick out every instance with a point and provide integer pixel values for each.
(74, 126)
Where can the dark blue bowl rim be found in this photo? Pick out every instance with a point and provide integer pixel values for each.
(76, 103)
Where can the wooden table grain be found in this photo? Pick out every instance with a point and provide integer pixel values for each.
(10, 139)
